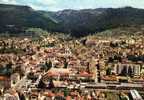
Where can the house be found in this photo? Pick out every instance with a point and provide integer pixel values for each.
(33, 96)
(138, 80)
(5, 82)
(60, 71)
(90, 42)
(57, 73)
(86, 77)
(11, 95)
(109, 79)
(15, 78)
(48, 95)
(60, 84)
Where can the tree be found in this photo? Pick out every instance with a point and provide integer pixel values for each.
(108, 71)
(124, 71)
(113, 44)
(41, 84)
(20, 70)
(21, 96)
(36, 31)
(9, 69)
(31, 76)
(110, 59)
(12, 45)
(130, 72)
(98, 66)
(88, 67)
(83, 42)
(66, 92)
(51, 84)
(4, 46)
(47, 66)
(65, 64)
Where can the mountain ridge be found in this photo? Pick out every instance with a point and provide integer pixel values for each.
(76, 22)
(22, 17)
(95, 20)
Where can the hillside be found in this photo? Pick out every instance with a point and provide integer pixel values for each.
(15, 18)
(80, 22)
(122, 31)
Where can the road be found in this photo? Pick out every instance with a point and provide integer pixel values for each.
(121, 87)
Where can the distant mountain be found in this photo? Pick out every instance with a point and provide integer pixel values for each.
(82, 22)
(77, 22)
(15, 18)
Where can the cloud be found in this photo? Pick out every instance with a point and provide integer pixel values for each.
(8, 1)
(36, 7)
(47, 2)
(42, 4)
(54, 5)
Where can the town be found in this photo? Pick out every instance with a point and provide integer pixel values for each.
(89, 68)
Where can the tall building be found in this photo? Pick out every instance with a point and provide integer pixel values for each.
(134, 69)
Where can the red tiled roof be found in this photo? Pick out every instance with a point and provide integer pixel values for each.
(34, 94)
(85, 74)
(68, 98)
(109, 78)
(138, 79)
(2, 78)
(50, 74)
(60, 94)
(49, 94)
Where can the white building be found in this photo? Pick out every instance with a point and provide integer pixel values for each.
(135, 68)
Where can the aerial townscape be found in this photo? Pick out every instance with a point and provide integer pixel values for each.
(89, 54)
(52, 66)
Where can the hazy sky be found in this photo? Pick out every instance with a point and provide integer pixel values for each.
(54, 5)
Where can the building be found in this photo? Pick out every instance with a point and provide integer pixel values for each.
(14, 78)
(5, 82)
(134, 69)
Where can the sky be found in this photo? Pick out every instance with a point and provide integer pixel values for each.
(55, 5)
